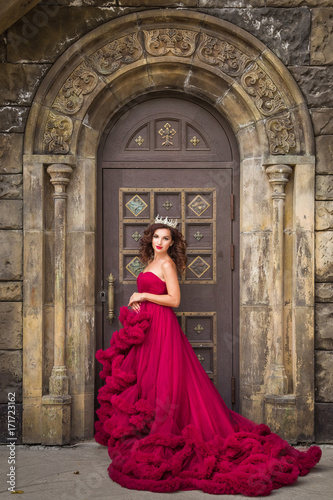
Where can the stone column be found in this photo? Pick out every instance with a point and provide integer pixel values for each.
(279, 405)
(56, 406)
(277, 383)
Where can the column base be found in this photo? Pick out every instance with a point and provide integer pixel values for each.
(56, 420)
(280, 415)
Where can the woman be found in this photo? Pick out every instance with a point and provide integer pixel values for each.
(164, 422)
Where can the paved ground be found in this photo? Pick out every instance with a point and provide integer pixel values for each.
(79, 472)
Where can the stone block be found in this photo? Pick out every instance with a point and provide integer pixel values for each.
(316, 84)
(296, 3)
(255, 202)
(38, 199)
(324, 422)
(11, 325)
(11, 255)
(10, 375)
(2, 48)
(303, 269)
(33, 259)
(324, 187)
(280, 416)
(41, 36)
(158, 3)
(56, 420)
(285, 31)
(324, 256)
(324, 154)
(82, 417)
(11, 186)
(49, 263)
(11, 149)
(324, 215)
(231, 3)
(254, 273)
(11, 291)
(254, 358)
(322, 36)
(324, 326)
(322, 120)
(4, 423)
(31, 420)
(18, 82)
(11, 214)
(303, 376)
(13, 119)
(33, 344)
(324, 376)
(324, 292)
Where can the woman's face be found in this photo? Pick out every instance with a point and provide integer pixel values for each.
(161, 240)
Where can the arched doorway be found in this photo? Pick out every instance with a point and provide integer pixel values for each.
(177, 158)
(124, 60)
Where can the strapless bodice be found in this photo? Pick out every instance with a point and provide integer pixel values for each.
(151, 283)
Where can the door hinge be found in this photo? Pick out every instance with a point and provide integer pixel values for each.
(233, 390)
(232, 199)
(232, 256)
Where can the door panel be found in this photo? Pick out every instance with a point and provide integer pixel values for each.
(206, 285)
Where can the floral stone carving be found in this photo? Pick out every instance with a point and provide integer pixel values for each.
(281, 134)
(265, 93)
(58, 132)
(112, 56)
(220, 53)
(71, 96)
(160, 42)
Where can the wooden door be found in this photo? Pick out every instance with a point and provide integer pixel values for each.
(173, 157)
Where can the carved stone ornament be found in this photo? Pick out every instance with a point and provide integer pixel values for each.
(160, 42)
(112, 56)
(71, 96)
(220, 53)
(281, 135)
(265, 93)
(58, 132)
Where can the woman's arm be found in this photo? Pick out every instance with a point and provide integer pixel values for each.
(172, 298)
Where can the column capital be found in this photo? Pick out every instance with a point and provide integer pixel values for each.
(59, 176)
(278, 176)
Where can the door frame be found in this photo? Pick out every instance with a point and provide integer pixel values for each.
(234, 166)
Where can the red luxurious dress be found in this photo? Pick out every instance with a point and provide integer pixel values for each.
(165, 424)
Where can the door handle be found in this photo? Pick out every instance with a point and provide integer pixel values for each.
(111, 280)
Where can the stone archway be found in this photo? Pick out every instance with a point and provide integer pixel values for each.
(99, 75)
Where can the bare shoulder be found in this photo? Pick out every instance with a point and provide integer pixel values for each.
(169, 268)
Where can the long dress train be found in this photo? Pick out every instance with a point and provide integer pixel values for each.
(165, 424)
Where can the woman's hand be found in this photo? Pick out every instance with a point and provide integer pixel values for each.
(135, 300)
(136, 306)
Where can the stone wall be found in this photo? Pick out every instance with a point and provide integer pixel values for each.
(33, 44)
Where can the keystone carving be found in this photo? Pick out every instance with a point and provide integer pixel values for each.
(220, 53)
(265, 93)
(58, 133)
(112, 56)
(281, 135)
(180, 43)
(71, 96)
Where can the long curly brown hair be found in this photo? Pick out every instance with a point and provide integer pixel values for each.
(177, 251)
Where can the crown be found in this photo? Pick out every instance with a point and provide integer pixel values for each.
(168, 222)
